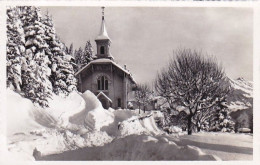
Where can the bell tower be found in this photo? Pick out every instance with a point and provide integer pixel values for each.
(103, 41)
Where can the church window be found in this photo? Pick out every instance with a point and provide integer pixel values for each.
(102, 83)
(106, 84)
(102, 50)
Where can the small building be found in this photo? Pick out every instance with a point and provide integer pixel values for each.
(111, 83)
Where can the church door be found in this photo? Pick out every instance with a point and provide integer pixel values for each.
(104, 103)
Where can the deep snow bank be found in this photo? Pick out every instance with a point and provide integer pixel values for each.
(55, 129)
(19, 114)
(144, 124)
(23, 116)
(97, 117)
(136, 147)
(79, 121)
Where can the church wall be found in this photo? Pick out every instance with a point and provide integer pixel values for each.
(116, 88)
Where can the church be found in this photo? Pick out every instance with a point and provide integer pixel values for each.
(112, 84)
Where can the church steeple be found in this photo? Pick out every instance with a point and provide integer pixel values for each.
(103, 41)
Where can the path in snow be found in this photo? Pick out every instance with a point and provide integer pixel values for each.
(224, 145)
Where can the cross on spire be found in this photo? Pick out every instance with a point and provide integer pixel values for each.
(103, 13)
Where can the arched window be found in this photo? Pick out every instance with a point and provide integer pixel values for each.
(102, 50)
(102, 83)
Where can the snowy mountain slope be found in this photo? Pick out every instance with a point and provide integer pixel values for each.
(241, 96)
(240, 102)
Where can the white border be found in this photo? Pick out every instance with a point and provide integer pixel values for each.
(256, 57)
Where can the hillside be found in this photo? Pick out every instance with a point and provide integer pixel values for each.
(240, 102)
(241, 96)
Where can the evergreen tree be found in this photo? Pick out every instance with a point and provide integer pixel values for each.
(83, 57)
(35, 75)
(62, 73)
(78, 57)
(220, 121)
(15, 49)
(88, 53)
(37, 61)
(71, 50)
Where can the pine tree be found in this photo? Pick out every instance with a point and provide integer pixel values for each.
(78, 58)
(37, 61)
(88, 53)
(62, 75)
(35, 75)
(220, 121)
(83, 57)
(15, 49)
(71, 50)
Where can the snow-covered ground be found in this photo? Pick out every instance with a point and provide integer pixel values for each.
(79, 128)
(234, 147)
(227, 146)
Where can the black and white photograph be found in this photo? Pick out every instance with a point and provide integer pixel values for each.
(129, 83)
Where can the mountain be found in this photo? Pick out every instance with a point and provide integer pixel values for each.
(240, 102)
(241, 96)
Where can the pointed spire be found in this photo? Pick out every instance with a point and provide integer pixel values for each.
(103, 32)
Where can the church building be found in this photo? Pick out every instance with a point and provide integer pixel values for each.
(111, 83)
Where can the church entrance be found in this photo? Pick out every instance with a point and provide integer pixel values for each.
(105, 100)
(104, 103)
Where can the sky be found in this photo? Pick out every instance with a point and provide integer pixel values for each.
(144, 38)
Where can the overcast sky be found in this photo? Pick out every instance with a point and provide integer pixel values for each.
(144, 38)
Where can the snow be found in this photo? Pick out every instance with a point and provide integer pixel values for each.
(54, 129)
(19, 114)
(103, 32)
(97, 117)
(103, 94)
(243, 85)
(237, 105)
(233, 147)
(136, 147)
(79, 123)
(175, 129)
(102, 60)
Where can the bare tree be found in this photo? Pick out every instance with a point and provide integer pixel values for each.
(194, 82)
(142, 95)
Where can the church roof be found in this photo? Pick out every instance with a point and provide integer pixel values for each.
(105, 61)
(103, 32)
(103, 94)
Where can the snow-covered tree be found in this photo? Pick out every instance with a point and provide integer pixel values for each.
(15, 49)
(165, 121)
(143, 95)
(71, 49)
(83, 57)
(220, 121)
(78, 57)
(35, 74)
(62, 73)
(37, 61)
(88, 53)
(193, 82)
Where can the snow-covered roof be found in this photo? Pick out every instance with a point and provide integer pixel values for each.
(103, 32)
(103, 94)
(105, 61)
